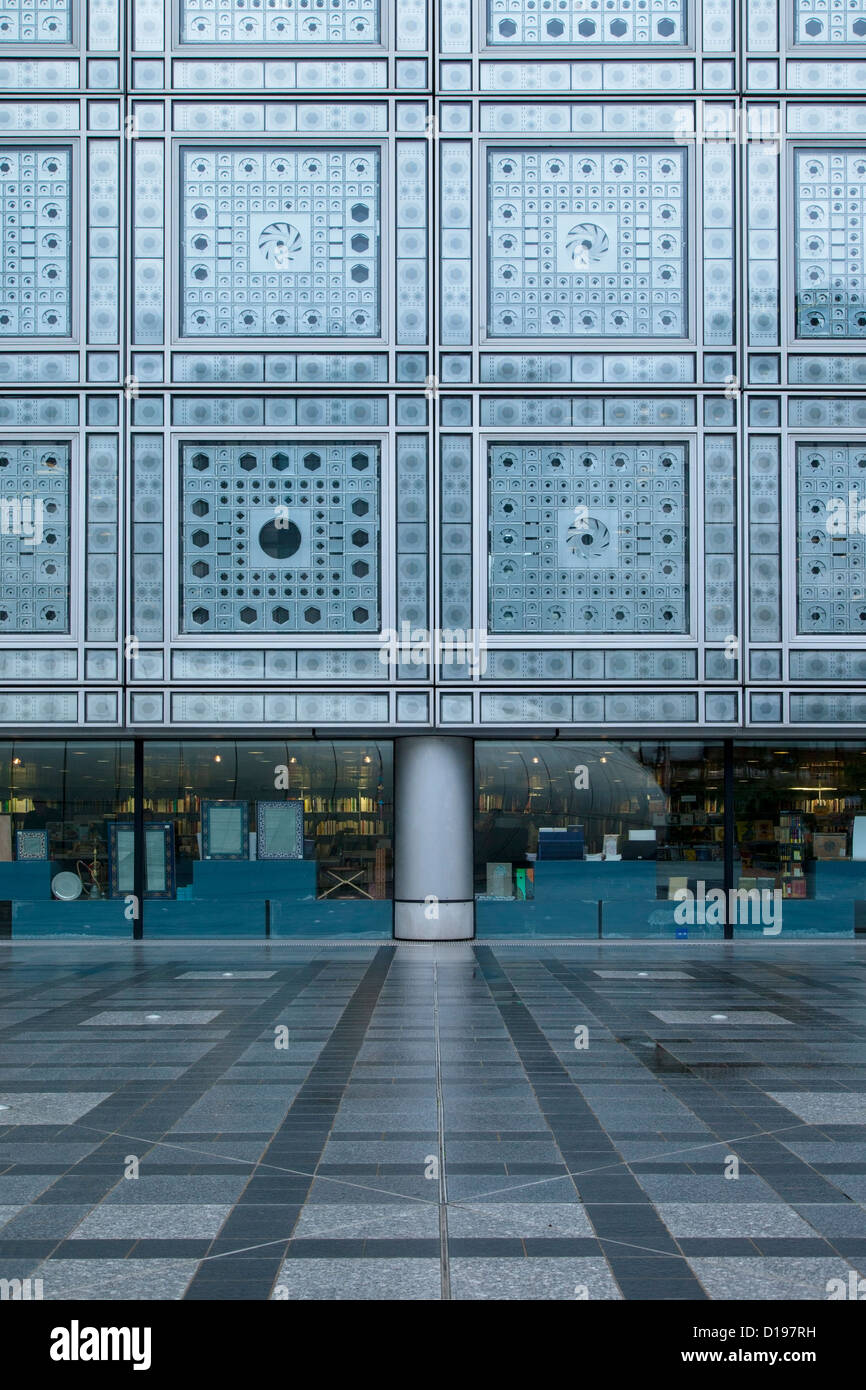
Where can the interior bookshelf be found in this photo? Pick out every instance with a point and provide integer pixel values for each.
(793, 837)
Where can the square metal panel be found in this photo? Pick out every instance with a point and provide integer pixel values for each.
(582, 22)
(830, 273)
(587, 243)
(831, 546)
(311, 22)
(280, 537)
(280, 241)
(34, 537)
(836, 22)
(35, 21)
(35, 209)
(588, 537)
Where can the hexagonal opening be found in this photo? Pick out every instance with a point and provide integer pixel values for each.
(200, 462)
(360, 507)
(359, 212)
(248, 615)
(247, 462)
(360, 538)
(201, 569)
(200, 615)
(200, 538)
(312, 615)
(200, 507)
(359, 273)
(360, 569)
(312, 462)
(360, 615)
(360, 242)
(280, 615)
(360, 462)
(280, 462)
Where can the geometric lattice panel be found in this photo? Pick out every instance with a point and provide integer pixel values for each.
(830, 21)
(280, 21)
(280, 537)
(35, 212)
(587, 243)
(583, 22)
(830, 273)
(280, 242)
(35, 21)
(831, 551)
(588, 537)
(34, 537)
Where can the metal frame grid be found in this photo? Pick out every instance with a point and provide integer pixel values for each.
(434, 83)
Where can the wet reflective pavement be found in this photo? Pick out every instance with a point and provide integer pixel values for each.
(480, 1121)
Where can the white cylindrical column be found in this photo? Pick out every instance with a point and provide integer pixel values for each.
(433, 839)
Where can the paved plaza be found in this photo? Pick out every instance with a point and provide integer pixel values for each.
(487, 1121)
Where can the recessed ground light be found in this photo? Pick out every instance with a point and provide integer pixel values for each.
(154, 1015)
(227, 974)
(642, 974)
(720, 1017)
(4, 1107)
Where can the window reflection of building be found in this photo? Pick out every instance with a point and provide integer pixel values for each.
(619, 793)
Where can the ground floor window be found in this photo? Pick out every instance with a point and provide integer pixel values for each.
(676, 838)
(61, 804)
(800, 827)
(669, 838)
(236, 837)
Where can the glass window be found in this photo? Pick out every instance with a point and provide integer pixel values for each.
(599, 838)
(270, 835)
(801, 831)
(62, 802)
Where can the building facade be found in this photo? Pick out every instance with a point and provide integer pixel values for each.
(424, 424)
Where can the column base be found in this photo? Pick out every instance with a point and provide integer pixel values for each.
(455, 922)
